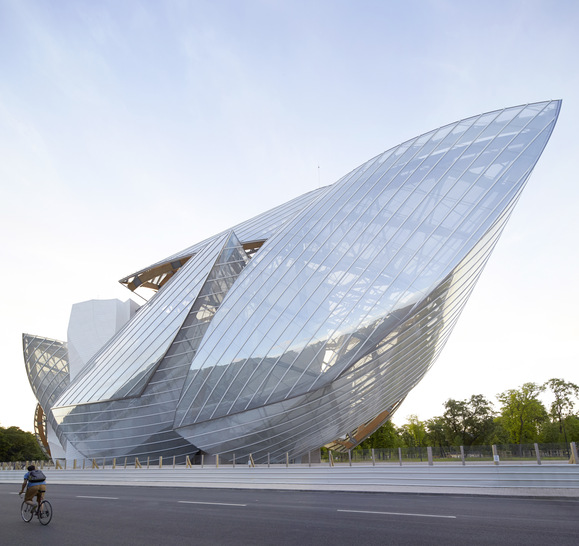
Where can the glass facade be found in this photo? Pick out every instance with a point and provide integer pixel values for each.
(302, 325)
(46, 362)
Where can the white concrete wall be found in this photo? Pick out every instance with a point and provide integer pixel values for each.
(91, 325)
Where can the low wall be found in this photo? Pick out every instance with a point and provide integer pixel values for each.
(561, 480)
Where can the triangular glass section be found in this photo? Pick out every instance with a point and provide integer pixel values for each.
(124, 366)
(227, 268)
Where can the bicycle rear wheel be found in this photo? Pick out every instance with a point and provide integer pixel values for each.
(45, 512)
(26, 512)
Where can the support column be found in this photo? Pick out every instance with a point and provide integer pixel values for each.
(495, 455)
(538, 454)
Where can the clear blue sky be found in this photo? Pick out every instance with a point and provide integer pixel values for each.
(130, 130)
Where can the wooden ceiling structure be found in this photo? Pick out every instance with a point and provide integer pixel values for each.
(155, 277)
(363, 431)
(40, 430)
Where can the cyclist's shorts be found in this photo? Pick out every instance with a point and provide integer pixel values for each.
(34, 490)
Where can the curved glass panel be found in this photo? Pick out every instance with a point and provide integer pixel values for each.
(366, 252)
(312, 319)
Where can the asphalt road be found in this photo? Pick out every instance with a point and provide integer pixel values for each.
(109, 515)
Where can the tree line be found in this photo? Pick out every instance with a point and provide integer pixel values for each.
(522, 418)
(18, 445)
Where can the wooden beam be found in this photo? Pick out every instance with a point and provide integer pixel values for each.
(167, 269)
(144, 279)
(40, 428)
(363, 431)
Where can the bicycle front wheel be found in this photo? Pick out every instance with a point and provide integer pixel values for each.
(45, 512)
(26, 512)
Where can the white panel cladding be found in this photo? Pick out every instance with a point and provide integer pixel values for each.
(91, 325)
(56, 449)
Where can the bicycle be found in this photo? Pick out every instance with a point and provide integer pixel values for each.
(43, 511)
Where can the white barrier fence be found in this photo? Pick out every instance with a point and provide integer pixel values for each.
(556, 480)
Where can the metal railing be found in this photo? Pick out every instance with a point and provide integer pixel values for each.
(427, 455)
(508, 453)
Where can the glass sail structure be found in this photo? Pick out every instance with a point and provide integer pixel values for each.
(310, 323)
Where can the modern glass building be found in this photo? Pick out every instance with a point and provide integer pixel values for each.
(302, 327)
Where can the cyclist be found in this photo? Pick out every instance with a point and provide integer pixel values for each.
(33, 487)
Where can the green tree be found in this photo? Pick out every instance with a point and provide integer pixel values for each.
(437, 434)
(18, 445)
(415, 432)
(572, 425)
(384, 437)
(522, 413)
(499, 434)
(566, 394)
(437, 431)
(468, 422)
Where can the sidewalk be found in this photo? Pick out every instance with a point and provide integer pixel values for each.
(507, 480)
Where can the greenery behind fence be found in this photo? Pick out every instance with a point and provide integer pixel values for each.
(522, 419)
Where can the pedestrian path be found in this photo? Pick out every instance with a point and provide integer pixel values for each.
(513, 480)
